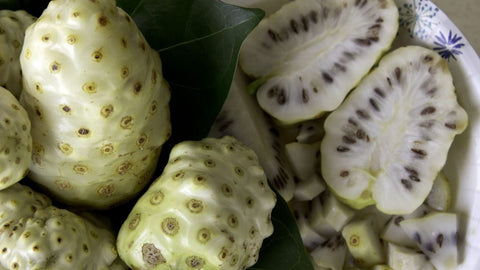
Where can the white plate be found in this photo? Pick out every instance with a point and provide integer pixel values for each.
(423, 23)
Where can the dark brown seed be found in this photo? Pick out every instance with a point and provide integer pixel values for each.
(361, 134)
(281, 99)
(305, 96)
(294, 26)
(340, 67)
(414, 178)
(411, 171)
(362, 114)
(379, 20)
(427, 59)
(344, 173)
(389, 81)
(305, 23)
(374, 104)
(272, 35)
(348, 140)
(398, 74)
(327, 78)
(398, 219)
(439, 240)
(432, 91)
(314, 16)
(379, 92)
(375, 27)
(407, 184)
(428, 110)
(342, 149)
(352, 122)
(429, 247)
(451, 125)
(362, 42)
(419, 153)
(373, 39)
(349, 55)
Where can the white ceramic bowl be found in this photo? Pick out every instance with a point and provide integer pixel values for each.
(423, 23)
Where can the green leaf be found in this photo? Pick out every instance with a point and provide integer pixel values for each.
(284, 249)
(198, 42)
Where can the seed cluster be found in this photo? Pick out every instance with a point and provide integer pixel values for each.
(303, 76)
(397, 125)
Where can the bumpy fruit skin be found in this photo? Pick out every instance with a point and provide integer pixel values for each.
(98, 102)
(37, 235)
(210, 209)
(12, 33)
(15, 140)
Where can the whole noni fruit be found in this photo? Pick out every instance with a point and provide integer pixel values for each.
(210, 209)
(98, 102)
(15, 140)
(37, 235)
(12, 33)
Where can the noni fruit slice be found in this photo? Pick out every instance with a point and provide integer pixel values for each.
(35, 234)
(210, 209)
(309, 54)
(12, 33)
(15, 140)
(242, 118)
(387, 142)
(437, 237)
(98, 103)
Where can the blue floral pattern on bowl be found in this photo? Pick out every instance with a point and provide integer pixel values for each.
(418, 17)
(449, 46)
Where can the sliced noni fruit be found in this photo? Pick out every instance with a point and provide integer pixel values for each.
(309, 54)
(387, 142)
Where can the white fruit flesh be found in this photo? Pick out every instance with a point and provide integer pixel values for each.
(402, 258)
(440, 197)
(330, 254)
(37, 235)
(210, 209)
(436, 235)
(363, 242)
(97, 100)
(15, 140)
(335, 212)
(310, 53)
(317, 219)
(390, 138)
(392, 232)
(310, 238)
(12, 33)
(242, 118)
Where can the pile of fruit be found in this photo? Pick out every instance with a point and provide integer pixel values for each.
(320, 114)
